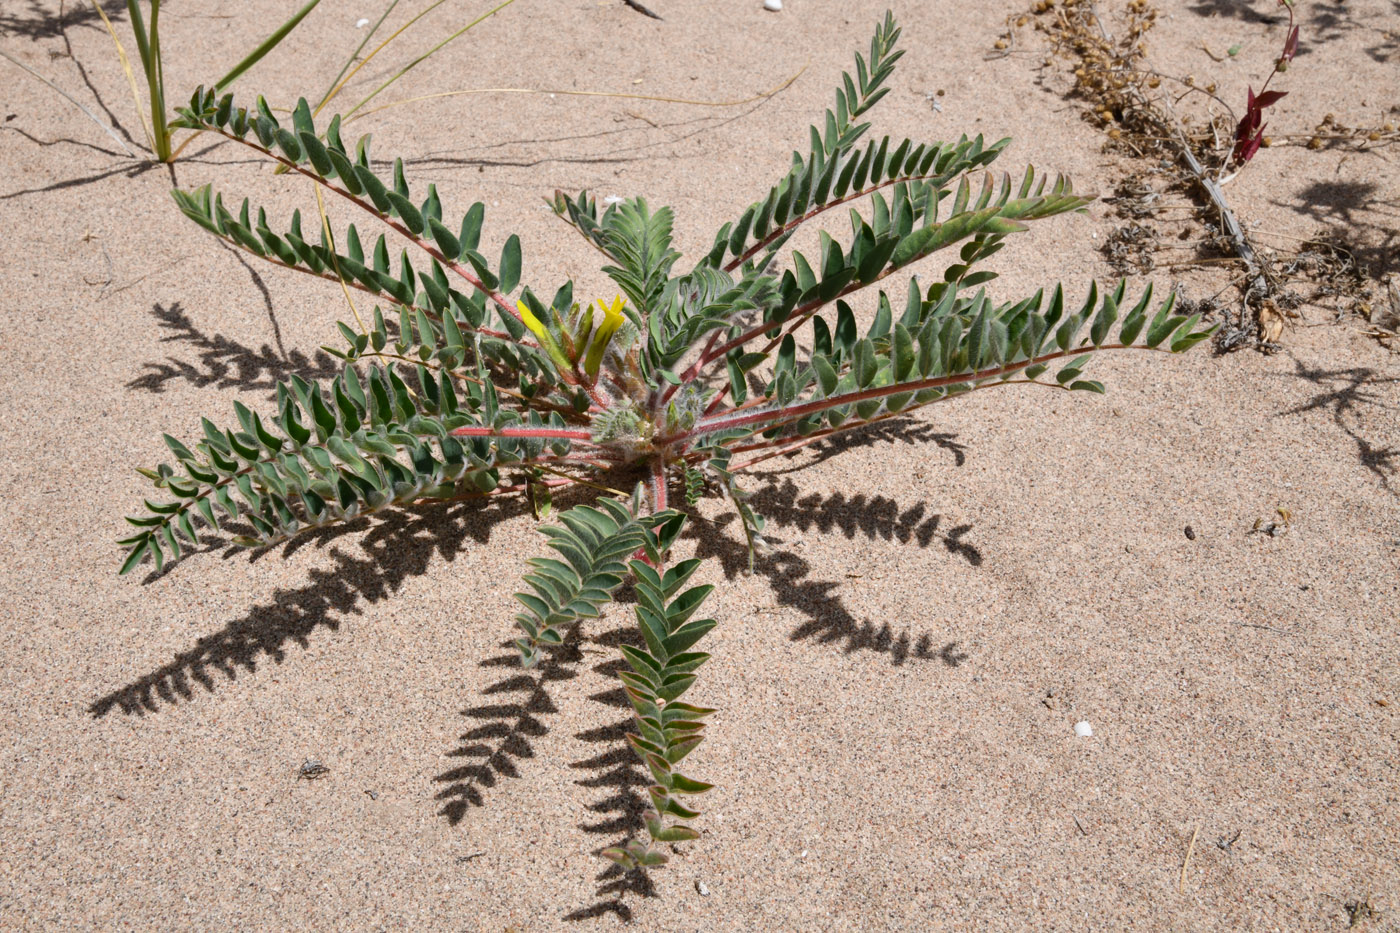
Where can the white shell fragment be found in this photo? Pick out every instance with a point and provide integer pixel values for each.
(773, 6)
(361, 23)
(1083, 729)
(702, 889)
(612, 199)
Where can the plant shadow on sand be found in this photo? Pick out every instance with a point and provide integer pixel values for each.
(225, 363)
(36, 19)
(400, 546)
(519, 705)
(1353, 210)
(502, 732)
(1322, 22)
(1346, 394)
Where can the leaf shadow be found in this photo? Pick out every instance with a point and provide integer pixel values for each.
(1354, 209)
(828, 619)
(1320, 23)
(502, 729)
(1345, 394)
(615, 769)
(1242, 10)
(504, 726)
(871, 517)
(894, 431)
(223, 362)
(128, 169)
(619, 776)
(35, 20)
(1337, 19)
(397, 547)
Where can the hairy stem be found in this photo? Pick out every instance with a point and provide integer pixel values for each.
(794, 412)
(658, 485)
(558, 434)
(693, 371)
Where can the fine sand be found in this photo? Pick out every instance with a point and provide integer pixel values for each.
(899, 683)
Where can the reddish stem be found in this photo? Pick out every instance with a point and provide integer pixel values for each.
(359, 286)
(784, 447)
(559, 434)
(658, 485)
(500, 299)
(723, 422)
(693, 371)
(799, 315)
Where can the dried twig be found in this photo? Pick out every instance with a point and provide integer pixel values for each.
(1258, 283)
(1181, 885)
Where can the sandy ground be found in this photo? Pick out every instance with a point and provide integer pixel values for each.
(898, 684)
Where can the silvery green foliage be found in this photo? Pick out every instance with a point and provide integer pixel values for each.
(462, 382)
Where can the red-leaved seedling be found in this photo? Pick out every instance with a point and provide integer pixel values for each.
(1249, 133)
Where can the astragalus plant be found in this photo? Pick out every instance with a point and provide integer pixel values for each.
(463, 383)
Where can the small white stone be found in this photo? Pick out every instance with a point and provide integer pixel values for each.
(612, 199)
(361, 23)
(773, 6)
(702, 888)
(1083, 729)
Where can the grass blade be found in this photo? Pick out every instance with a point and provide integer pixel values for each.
(576, 93)
(155, 79)
(130, 75)
(66, 96)
(356, 54)
(267, 45)
(428, 54)
(370, 57)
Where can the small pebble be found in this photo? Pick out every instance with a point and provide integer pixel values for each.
(1190, 533)
(773, 6)
(702, 888)
(1083, 729)
(612, 199)
(361, 23)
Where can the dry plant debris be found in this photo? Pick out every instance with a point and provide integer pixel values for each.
(311, 770)
(1151, 115)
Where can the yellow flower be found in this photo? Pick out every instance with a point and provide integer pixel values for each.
(613, 319)
(547, 341)
(535, 324)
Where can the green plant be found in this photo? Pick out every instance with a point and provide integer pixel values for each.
(159, 130)
(473, 386)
